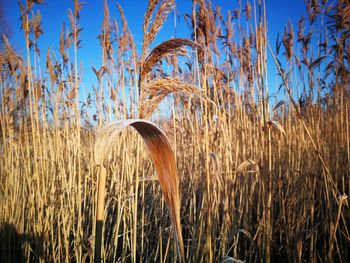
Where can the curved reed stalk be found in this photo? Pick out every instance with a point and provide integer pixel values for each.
(164, 161)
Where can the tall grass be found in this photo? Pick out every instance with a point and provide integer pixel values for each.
(263, 176)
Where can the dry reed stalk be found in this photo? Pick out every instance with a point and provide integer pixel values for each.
(164, 161)
(334, 227)
(299, 244)
(327, 176)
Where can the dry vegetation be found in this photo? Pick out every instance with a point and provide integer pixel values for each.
(260, 179)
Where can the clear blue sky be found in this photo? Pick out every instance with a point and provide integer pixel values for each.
(55, 12)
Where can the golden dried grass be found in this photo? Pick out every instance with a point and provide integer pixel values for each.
(47, 194)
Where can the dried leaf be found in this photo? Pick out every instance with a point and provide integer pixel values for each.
(245, 164)
(245, 232)
(161, 154)
(278, 126)
(279, 104)
(227, 259)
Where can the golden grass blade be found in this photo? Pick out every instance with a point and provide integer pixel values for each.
(298, 247)
(99, 213)
(245, 232)
(162, 156)
(237, 231)
(342, 198)
(278, 105)
(227, 259)
(245, 164)
(150, 178)
(278, 126)
(216, 169)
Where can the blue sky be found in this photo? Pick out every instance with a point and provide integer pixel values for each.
(55, 12)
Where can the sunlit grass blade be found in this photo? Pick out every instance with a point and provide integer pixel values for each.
(164, 161)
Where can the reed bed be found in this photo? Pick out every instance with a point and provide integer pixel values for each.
(263, 176)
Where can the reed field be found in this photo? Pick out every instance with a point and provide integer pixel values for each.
(263, 173)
